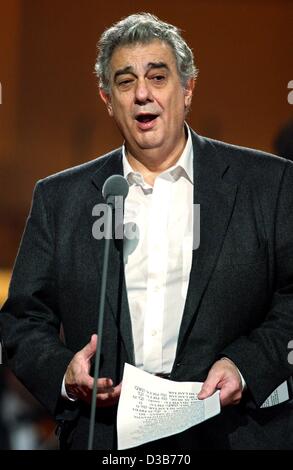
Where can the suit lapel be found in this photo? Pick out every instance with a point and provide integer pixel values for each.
(116, 290)
(216, 198)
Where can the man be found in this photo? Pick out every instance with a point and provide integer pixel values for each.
(221, 313)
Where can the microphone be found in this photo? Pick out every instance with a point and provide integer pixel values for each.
(115, 186)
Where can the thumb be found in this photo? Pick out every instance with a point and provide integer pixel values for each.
(89, 350)
(209, 386)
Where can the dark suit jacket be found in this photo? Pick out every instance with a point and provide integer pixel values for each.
(239, 302)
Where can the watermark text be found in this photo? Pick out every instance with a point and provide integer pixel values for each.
(130, 231)
(290, 94)
(290, 355)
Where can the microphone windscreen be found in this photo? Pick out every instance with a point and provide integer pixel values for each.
(115, 185)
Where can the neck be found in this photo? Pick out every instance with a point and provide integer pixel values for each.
(152, 162)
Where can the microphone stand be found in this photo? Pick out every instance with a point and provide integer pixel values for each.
(108, 236)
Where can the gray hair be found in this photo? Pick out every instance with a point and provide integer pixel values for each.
(143, 28)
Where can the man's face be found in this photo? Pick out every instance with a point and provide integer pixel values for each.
(147, 99)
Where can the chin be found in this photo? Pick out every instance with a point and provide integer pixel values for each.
(150, 143)
(149, 147)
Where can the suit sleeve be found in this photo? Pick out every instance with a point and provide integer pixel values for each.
(29, 320)
(262, 356)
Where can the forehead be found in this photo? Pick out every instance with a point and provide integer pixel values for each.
(140, 55)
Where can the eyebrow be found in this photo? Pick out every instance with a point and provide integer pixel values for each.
(129, 68)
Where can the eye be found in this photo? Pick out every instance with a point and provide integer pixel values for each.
(158, 78)
(125, 83)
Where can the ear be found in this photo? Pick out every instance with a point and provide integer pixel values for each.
(107, 100)
(188, 92)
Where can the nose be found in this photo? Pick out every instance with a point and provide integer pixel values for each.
(143, 92)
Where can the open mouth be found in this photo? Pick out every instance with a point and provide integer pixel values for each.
(146, 118)
(146, 121)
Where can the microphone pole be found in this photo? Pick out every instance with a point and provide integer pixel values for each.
(114, 186)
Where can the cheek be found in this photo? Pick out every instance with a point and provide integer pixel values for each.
(177, 111)
(176, 103)
(119, 115)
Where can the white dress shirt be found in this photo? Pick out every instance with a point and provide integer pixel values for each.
(158, 258)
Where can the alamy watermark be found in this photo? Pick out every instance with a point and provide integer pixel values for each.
(290, 355)
(290, 94)
(130, 230)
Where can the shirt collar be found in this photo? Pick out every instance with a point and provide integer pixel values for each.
(183, 167)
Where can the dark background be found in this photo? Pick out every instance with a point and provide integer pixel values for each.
(51, 116)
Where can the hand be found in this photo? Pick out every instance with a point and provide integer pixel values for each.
(224, 376)
(79, 384)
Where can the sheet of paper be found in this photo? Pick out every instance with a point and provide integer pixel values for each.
(151, 408)
(278, 396)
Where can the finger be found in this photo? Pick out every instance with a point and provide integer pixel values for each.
(103, 399)
(89, 350)
(109, 393)
(210, 385)
(105, 383)
(229, 398)
(230, 394)
(118, 388)
(84, 389)
(115, 392)
(109, 399)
